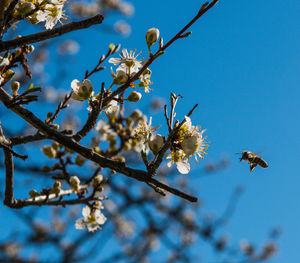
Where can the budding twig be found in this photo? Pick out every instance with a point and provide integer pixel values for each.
(160, 51)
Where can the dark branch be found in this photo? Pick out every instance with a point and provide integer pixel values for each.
(89, 154)
(38, 37)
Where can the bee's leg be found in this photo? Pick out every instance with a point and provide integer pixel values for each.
(252, 166)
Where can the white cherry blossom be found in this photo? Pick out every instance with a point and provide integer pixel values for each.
(129, 59)
(92, 219)
(82, 90)
(51, 13)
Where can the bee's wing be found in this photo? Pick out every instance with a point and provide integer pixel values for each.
(252, 166)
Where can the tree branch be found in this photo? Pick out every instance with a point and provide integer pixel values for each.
(89, 154)
(9, 177)
(47, 34)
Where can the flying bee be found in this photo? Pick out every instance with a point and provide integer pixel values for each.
(253, 160)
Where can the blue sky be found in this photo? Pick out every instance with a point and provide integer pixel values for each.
(242, 66)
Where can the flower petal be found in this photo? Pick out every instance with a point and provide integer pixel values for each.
(183, 167)
(86, 211)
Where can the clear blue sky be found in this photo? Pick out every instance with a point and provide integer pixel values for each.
(242, 65)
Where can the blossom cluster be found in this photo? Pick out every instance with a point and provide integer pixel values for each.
(92, 217)
(128, 66)
(188, 142)
(48, 11)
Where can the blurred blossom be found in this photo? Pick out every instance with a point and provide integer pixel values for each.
(154, 242)
(70, 123)
(51, 94)
(187, 237)
(58, 225)
(125, 227)
(112, 108)
(42, 55)
(189, 217)
(11, 249)
(157, 103)
(276, 232)
(85, 9)
(246, 247)
(34, 257)
(110, 3)
(127, 8)
(104, 130)
(122, 28)
(268, 251)
(38, 68)
(73, 212)
(68, 47)
(110, 205)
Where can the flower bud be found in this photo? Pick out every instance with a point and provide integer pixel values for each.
(134, 96)
(136, 115)
(56, 187)
(111, 47)
(24, 8)
(79, 160)
(152, 36)
(55, 145)
(33, 19)
(97, 180)
(74, 183)
(156, 143)
(15, 86)
(17, 52)
(82, 90)
(98, 205)
(57, 184)
(30, 49)
(49, 151)
(55, 127)
(9, 75)
(49, 115)
(33, 193)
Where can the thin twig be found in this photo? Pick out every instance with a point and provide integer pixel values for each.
(62, 105)
(9, 177)
(5, 144)
(23, 157)
(92, 119)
